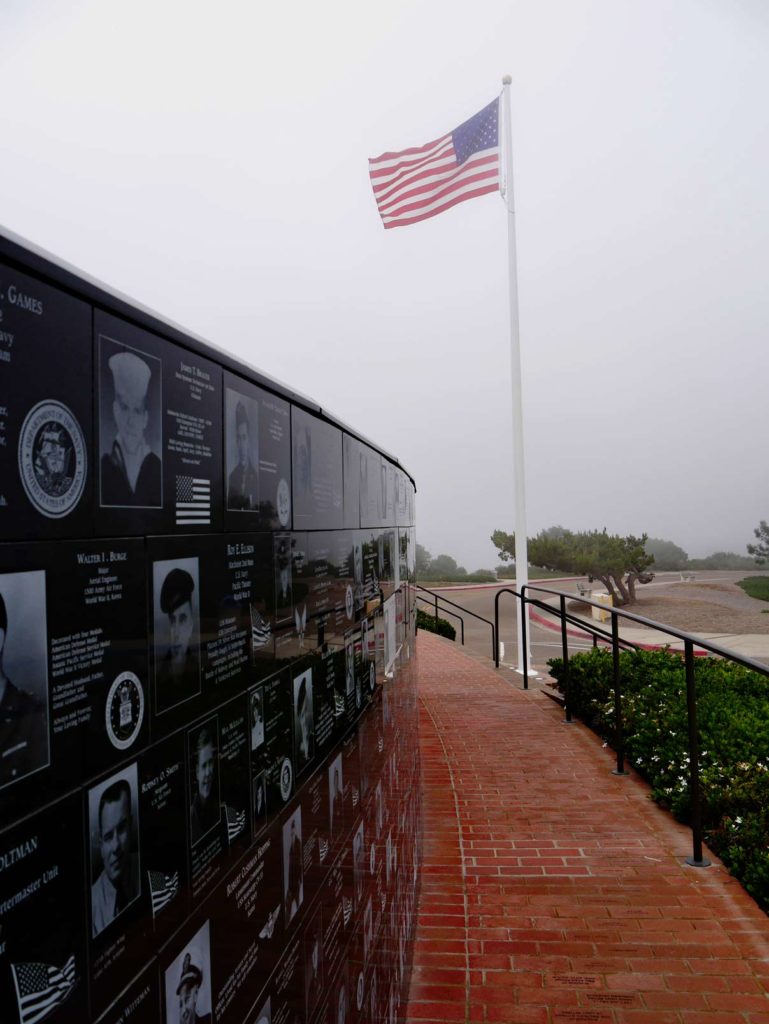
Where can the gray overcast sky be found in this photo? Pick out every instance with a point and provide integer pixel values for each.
(210, 160)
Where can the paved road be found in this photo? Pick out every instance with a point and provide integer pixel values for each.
(544, 643)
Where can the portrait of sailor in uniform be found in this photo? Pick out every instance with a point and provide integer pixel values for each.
(23, 713)
(131, 472)
(177, 667)
(243, 481)
(188, 983)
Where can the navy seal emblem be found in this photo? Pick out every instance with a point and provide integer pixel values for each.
(52, 459)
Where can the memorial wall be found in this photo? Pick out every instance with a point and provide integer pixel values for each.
(209, 765)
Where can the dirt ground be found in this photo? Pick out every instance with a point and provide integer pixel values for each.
(702, 607)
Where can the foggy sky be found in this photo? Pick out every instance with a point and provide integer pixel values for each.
(210, 161)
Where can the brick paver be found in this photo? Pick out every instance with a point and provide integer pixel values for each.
(554, 892)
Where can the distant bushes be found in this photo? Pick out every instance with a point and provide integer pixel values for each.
(733, 720)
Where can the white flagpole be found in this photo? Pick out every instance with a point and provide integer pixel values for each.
(521, 542)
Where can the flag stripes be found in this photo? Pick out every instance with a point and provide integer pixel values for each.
(420, 182)
(40, 988)
(163, 888)
(193, 501)
(236, 822)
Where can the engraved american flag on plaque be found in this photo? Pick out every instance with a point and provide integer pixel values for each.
(193, 501)
(40, 988)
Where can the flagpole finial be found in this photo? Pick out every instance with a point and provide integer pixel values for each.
(507, 80)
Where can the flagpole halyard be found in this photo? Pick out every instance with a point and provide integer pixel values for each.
(519, 476)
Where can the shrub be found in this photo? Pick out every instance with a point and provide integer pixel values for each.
(733, 721)
(427, 621)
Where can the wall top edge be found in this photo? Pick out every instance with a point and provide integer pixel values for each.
(29, 256)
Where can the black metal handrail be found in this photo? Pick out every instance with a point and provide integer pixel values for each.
(444, 600)
(446, 611)
(616, 642)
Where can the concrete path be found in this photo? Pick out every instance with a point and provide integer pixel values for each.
(554, 892)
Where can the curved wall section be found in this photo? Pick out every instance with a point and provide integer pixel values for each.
(209, 769)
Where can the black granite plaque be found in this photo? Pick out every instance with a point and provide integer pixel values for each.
(296, 631)
(158, 416)
(201, 618)
(246, 929)
(372, 493)
(74, 654)
(139, 1003)
(46, 459)
(283, 1001)
(401, 498)
(257, 457)
(337, 902)
(317, 472)
(351, 455)
(188, 977)
(274, 758)
(314, 976)
(42, 946)
(316, 846)
(164, 844)
(218, 756)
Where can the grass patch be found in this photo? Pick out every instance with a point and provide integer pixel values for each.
(756, 586)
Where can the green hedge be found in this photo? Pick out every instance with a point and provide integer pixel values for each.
(733, 720)
(426, 620)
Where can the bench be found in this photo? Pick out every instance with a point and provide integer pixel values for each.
(687, 577)
(584, 589)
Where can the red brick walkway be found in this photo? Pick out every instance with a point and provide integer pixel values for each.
(554, 892)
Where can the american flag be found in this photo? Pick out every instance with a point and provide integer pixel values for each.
(261, 631)
(40, 988)
(193, 501)
(163, 888)
(236, 822)
(421, 182)
(269, 924)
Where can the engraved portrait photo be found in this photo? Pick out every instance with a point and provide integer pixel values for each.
(302, 467)
(203, 775)
(188, 982)
(130, 427)
(259, 800)
(241, 439)
(335, 797)
(113, 820)
(256, 712)
(293, 871)
(176, 611)
(24, 743)
(304, 730)
(284, 598)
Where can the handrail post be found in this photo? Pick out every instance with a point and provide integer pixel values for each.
(525, 648)
(696, 860)
(619, 741)
(496, 628)
(436, 613)
(565, 649)
(462, 629)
